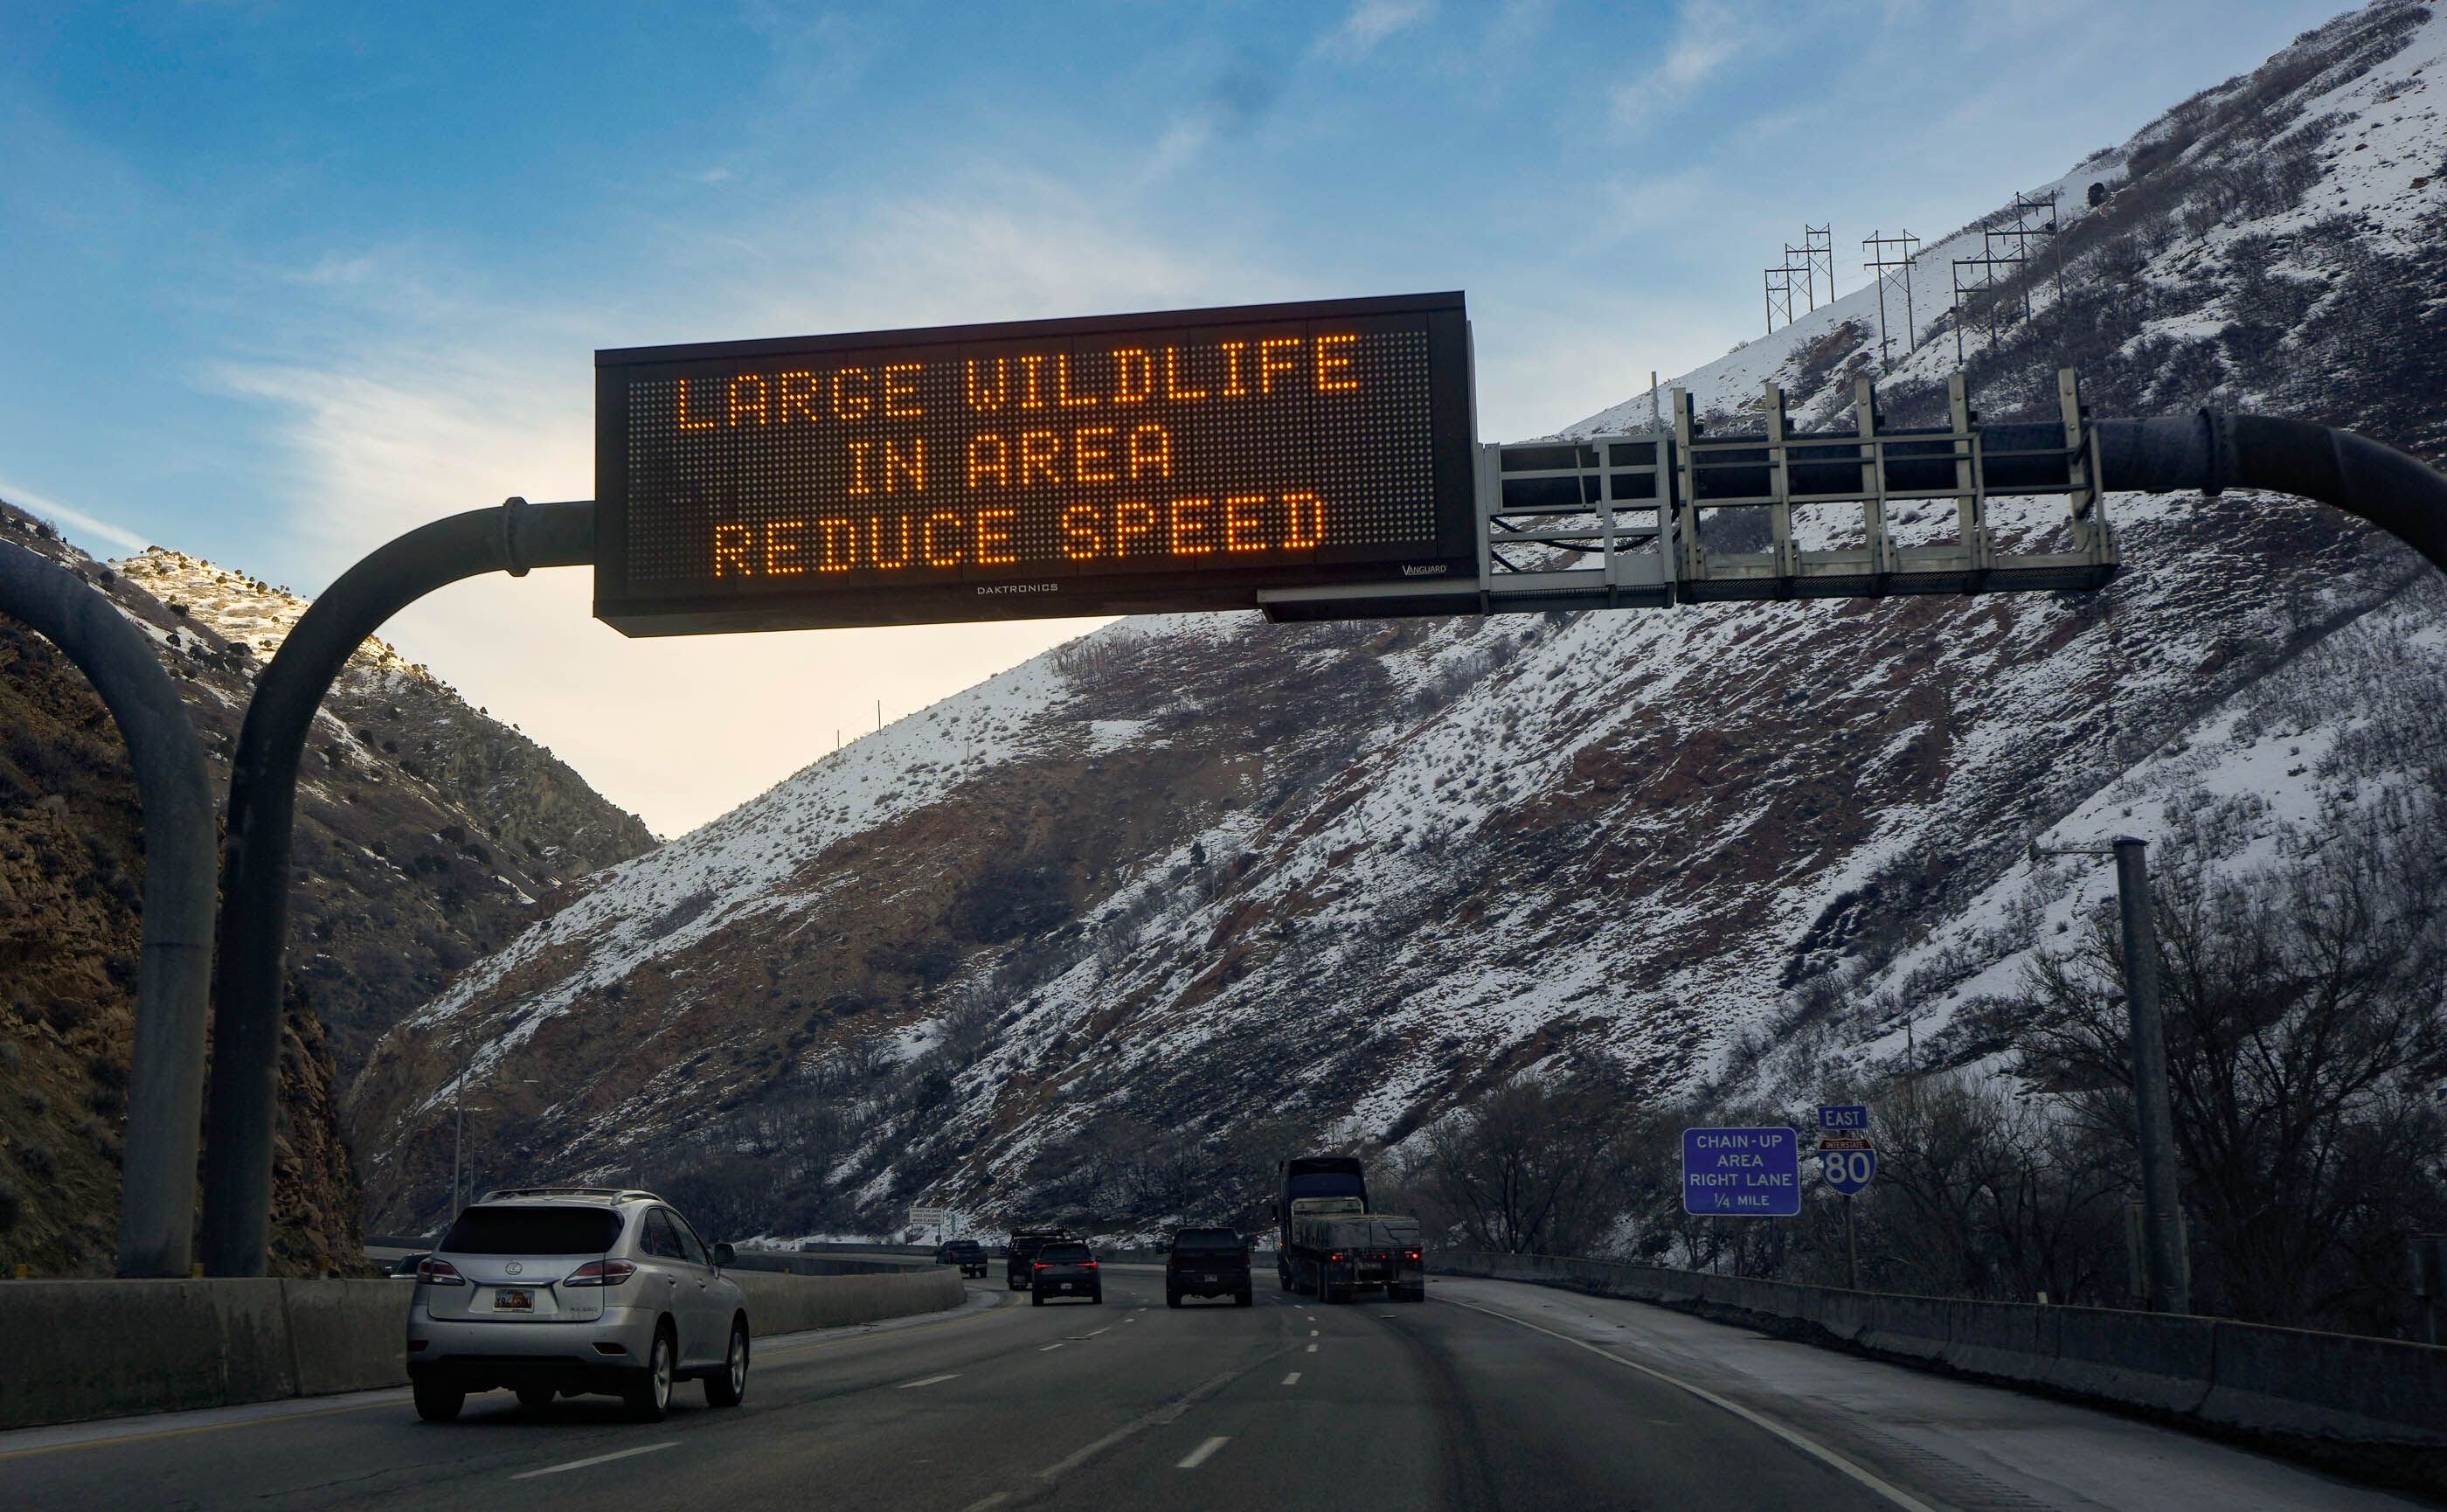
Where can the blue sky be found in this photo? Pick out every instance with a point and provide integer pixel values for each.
(278, 281)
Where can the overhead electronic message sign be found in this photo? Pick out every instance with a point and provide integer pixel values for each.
(1115, 465)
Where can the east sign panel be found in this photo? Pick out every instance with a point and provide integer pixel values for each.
(1178, 461)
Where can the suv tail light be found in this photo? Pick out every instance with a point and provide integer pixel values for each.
(1037, 1265)
(439, 1273)
(600, 1273)
(1089, 1264)
(1335, 1256)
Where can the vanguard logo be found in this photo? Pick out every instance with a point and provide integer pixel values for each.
(1428, 570)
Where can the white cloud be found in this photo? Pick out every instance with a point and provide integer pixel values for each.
(74, 523)
(1708, 34)
(1371, 22)
(461, 401)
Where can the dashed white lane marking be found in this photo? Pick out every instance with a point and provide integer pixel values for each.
(1199, 1455)
(1055, 1345)
(929, 1380)
(1806, 1446)
(1107, 1328)
(1292, 1379)
(1312, 1333)
(984, 1502)
(1312, 1348)
(601, 1458)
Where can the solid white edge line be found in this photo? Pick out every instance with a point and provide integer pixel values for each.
(601, 1458)
(1199, 1455)
(929, 1380)
(1808, 1445)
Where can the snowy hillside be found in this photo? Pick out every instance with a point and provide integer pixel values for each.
(1212, 886)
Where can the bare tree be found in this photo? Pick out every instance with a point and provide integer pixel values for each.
(2307, 1041)
(1529, 1168)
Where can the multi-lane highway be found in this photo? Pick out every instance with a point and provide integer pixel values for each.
(1491, 1395)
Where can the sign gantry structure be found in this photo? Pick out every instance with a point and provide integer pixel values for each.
(1316, 461)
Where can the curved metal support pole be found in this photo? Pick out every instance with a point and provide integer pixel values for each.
(263, 811)
(157, 1191)
(2212, 452)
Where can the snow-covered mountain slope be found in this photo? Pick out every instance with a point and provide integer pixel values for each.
(1210, 885)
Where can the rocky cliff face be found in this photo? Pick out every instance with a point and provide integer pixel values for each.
(1168, 898)
(427, 835)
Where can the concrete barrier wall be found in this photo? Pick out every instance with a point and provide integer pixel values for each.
(2240, 1376)
(76, 1349)
(789, 1304)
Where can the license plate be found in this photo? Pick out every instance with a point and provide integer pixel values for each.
(1210, 1276)
(506, 1301)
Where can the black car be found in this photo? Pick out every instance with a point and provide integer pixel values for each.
(1064, 1268)
(1208, 1263)
(968, 1254)
(1024, 1245)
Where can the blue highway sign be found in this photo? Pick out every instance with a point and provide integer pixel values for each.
(1741, 1172)
(1846, 1171)
(1843, 1116)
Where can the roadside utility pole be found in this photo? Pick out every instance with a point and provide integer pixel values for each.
(2167, 1270)
(2170, 1268)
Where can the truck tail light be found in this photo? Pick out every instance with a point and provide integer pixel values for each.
(600, 1273)
(1409, 1254)
(439, 1273)
(1335, 1256)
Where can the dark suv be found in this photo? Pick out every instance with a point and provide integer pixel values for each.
(1208, 1263)
(1024, 1245)
(968, 1254)
(1064, 1268)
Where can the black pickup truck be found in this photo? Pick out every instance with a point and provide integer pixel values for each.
(1208, 1263)
(968, 1254)
(1022, 1253)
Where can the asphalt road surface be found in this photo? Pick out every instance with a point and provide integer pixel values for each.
(1490, 1395)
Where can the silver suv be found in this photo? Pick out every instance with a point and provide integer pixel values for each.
(568, 1290)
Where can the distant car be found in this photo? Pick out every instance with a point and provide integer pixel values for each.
(570, 1289)
(404, 1268)
(1208, 1263)
(968, 1254)
(1064, 1268)
(1024, 1245)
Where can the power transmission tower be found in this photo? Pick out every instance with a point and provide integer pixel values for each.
(1890, 261)
(1818, 249)
(1779, 295)
(2004, 258)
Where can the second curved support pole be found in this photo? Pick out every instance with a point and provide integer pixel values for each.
(262, 815)
(156, 1189)
(2212, 451)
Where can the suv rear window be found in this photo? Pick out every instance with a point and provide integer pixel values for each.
(1208, 1241)
(1063, 1254)
(533, 1231)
